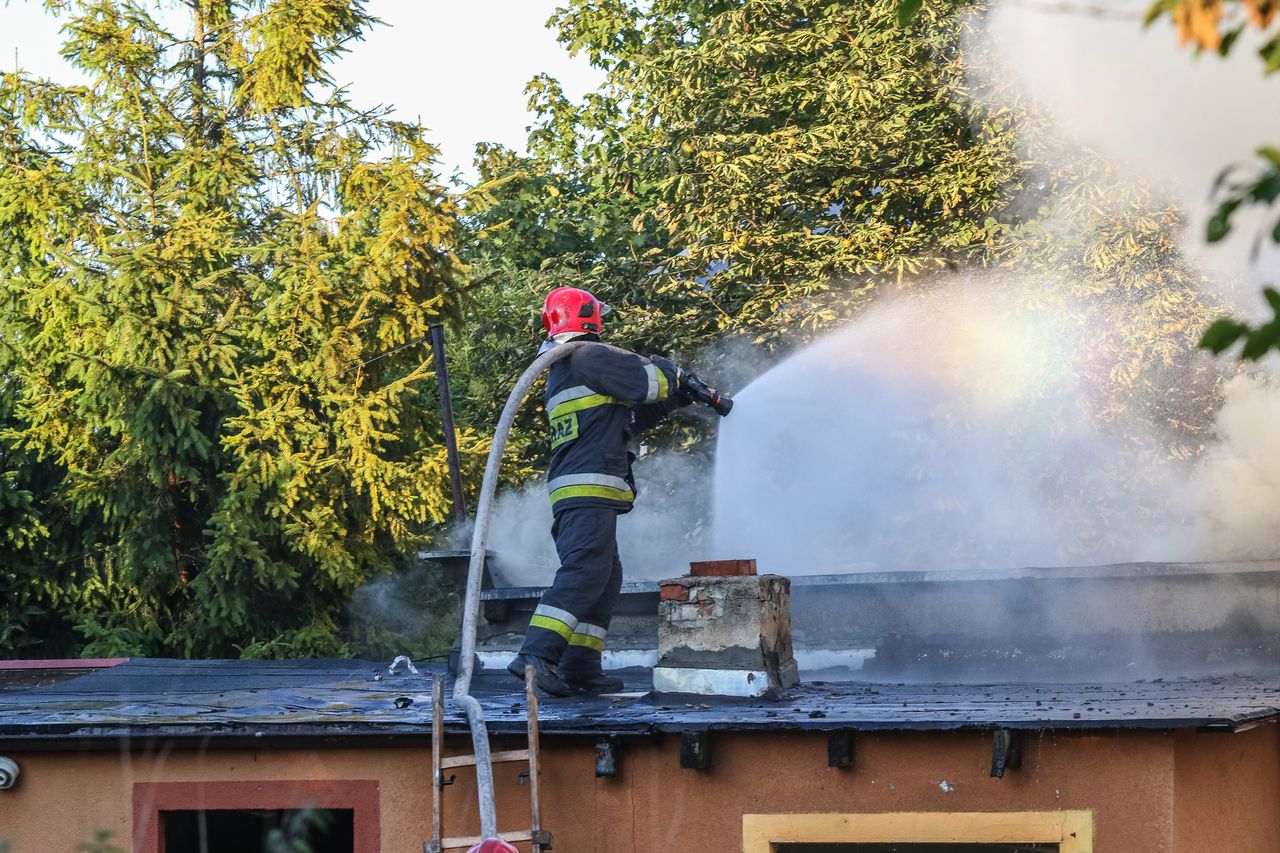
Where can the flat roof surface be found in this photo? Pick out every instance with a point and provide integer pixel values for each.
(353, 699)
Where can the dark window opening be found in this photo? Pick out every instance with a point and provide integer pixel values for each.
(893, 847)
(258, 831)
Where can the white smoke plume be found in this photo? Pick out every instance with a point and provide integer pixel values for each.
(665, 531)
(1234, 493)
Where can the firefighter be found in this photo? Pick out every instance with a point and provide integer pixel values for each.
(598, 398)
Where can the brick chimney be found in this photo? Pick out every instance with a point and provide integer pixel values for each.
(723, 630)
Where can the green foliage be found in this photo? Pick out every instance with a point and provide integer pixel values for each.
(761, 170)
(1258, 341)
(778, 150)
(198, 248)
(1243, 186)
(907, 11)
(31, 562)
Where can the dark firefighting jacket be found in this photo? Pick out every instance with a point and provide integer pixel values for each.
(598, 398)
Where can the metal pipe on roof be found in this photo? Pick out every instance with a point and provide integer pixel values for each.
(436, 331)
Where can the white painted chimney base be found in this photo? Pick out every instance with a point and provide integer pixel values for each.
(713, 682)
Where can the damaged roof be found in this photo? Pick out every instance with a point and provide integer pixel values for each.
(242, 699)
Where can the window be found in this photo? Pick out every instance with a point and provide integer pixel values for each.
(257, 830)
(338, 816)
(920, 832)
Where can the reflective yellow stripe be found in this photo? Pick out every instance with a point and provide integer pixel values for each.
(592, 492)
(577, 405)
(539, 621)
(662, 385)
(588, 641)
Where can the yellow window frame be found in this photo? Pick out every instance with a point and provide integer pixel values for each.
(1072, 831)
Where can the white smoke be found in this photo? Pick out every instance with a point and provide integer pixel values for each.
(1234, 494)
(664, 532)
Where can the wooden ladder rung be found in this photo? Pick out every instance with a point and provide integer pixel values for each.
(494, 757)
(473, 840)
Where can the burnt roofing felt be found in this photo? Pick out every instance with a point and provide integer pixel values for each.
(352, 699)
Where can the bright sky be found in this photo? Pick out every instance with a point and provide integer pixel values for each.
(460, 66)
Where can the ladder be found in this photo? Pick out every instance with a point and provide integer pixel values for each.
(539, 837)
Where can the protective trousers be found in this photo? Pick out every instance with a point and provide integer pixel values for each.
(572, 618)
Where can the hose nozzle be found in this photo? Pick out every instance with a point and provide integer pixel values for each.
(705, 394)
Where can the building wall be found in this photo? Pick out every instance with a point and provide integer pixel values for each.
(1227, 789)
(1126, 779)
(1149, 792)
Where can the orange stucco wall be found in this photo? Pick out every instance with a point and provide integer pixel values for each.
(1149, 792)
(1227, 792)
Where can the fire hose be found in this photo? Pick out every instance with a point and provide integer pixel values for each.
(475, 569)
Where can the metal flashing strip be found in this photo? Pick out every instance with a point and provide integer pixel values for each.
(963, 575)
(62, 663)
(497, 660)
(1050, 573)
(809, 660)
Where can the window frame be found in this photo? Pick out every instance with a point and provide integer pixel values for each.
(360, 796)
(1072, 831)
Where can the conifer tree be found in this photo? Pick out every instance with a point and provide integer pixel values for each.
(199, 247)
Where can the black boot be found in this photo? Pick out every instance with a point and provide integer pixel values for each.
(592, 682)
(544, 674)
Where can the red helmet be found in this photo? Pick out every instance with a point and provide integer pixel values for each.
(493, 845)
(569, 309)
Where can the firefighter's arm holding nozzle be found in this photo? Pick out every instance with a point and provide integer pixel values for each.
(661, 389)
(689, 389)
(694, 390)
